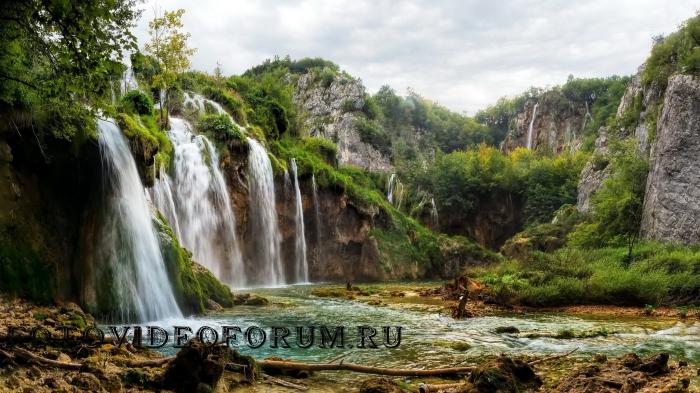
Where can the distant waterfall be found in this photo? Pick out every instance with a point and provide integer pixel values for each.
(203, 213)
(200, 103)
(265, 234)
(394, 193)
(128, 81)
(529, 130)
(129, 245)
(301, 266)
(434, 214)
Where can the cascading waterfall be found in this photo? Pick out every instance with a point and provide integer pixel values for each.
(265, 234)
(301, 266)
(394, 193)
(128, 81)
(200, 103)
(434, 214)
(532, 123)
(129, 245)
(162, 197)
(203, 213)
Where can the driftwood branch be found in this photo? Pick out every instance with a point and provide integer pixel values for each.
(286, 384)
(432, 388)
(24, 354)
(289, 365)
(554, 357)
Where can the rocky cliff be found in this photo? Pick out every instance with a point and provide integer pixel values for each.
(665, 124)
(330, 109)
(557, 125)
(672, 199)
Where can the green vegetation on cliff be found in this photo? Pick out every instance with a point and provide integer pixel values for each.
(679, 52)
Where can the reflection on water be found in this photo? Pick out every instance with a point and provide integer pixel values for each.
(425, 334)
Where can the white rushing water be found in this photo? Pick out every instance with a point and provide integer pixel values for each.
(200, 208)
(529, 129)
(301, 264)
(129, 245)
(128, 81)
(394, 193)
(201, 103)
(434, 214)
(265, 234)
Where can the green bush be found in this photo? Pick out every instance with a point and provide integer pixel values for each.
(136, 101)
(373, 134)
(678, 52)
(221, 127)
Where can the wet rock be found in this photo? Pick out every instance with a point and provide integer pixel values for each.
(505, 375)
(657, 364)
(86, 382)
(198, 367)
(62, 357)
(507, 329)
(380, 385)
(214, 306)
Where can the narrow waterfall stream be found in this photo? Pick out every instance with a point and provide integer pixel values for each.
(529, 129)
(201, 208)
(265, 234)
(301, 264)
(129, 247)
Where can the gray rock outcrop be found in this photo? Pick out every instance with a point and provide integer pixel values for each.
(672, 200)
(330, 111)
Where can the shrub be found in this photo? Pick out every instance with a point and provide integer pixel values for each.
(137, 102)
(373, 134)
(221, 127)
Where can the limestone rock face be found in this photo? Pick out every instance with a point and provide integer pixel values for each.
(330, 111)
(593, 173)
(672, 200)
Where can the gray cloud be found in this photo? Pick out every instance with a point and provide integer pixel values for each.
(462, 54)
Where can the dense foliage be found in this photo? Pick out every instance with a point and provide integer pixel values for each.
(679, 52)
(57, 59)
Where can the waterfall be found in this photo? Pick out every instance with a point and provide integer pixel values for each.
(394, 193)
(301, 266)
(200, 103)
(202, 209)
(434, 214)
(129, 245)
(128, 81)
(390, 188)
(265, 234)
(529, 130)
(162, 197)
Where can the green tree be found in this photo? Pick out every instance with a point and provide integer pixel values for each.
(617, 206)
(57, 59)
(169, 46)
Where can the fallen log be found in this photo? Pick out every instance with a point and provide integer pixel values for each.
(287, 384)
(24, 354)
(549, 358)
(399, 372)
(432, 388)
(149, 362)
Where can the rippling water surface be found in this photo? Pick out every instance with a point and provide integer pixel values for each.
(431, 339)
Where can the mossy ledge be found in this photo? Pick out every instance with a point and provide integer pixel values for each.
(193, 284)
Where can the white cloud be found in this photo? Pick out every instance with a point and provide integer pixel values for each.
(463, 54)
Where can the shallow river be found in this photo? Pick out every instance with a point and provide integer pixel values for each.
(430, 339)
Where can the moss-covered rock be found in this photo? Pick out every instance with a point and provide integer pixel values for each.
(148, 143)
(192, 283)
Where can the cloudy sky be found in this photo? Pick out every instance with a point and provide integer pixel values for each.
(463, 54)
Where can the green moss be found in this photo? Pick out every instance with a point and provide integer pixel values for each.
(23, 272)
(137, 102)
(146, 139)
(220, 127)
(192, 283)
(230, 101)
